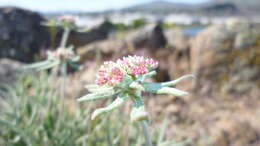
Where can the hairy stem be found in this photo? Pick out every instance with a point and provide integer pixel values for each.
(63, 71)
(148, 140)
(64, 79)
(65, 37)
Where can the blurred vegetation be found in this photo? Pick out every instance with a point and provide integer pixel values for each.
(33, 114)
(135, 24)
(168, 25)
(141, 22)
(121, 27)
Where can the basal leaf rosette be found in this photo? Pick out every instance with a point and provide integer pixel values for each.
(125, 78)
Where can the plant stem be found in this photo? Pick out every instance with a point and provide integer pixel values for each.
(148, 140)
(109, 140)
(65, 37)
(64, 80)
(63, 44)
(63, 71)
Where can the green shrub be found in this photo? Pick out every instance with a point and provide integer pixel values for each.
(137, 23)
(168, 25)
(120, 26)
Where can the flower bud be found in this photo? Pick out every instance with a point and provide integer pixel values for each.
(62, 54)
(67, 19)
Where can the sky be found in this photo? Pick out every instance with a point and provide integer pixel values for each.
(80, 5)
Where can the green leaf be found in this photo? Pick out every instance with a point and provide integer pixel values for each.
(96, 96)
(114, 105)
(157, 88)
(37, 65)
(16, 129)
(171, 91)
(174, 82)
(97, 88)
(147, 75)
(152, 87)
(92, 86)
(50, 65)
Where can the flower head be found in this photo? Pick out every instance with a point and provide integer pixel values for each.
(62, 54)
(67, 19)
(111, 73)
(125, 78)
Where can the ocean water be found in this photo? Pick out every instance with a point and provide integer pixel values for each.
(193, 30)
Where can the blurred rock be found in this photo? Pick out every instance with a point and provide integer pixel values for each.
(146, 42)
(228, 132)
(101, 32)
(21, 34)
(175, 57)
(109, 49)
(82, 78)
(222, 56)
(8, 70)
(8, 73)
(150, 36)
(177, 39)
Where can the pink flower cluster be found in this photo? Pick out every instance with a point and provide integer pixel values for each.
(67, 18)
(112, 73)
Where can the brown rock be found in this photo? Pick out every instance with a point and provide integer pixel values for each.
(177, 39)
(228, 132)
(22, 34)
(218, 56)
(9, 70)
(150, 36)
(101, 32)
(109, 49)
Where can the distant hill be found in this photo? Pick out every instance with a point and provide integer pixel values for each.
(213, 7)
(160, 7)
(247, 7)
(210, 8)
(219, 8)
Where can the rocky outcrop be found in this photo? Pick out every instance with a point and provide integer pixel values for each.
(222, 57)
(101, 32)
(105, 50)
(174, 59)
(9, 70)
(150, 37)
(226, 132)
(22, 35)
(177, 39)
